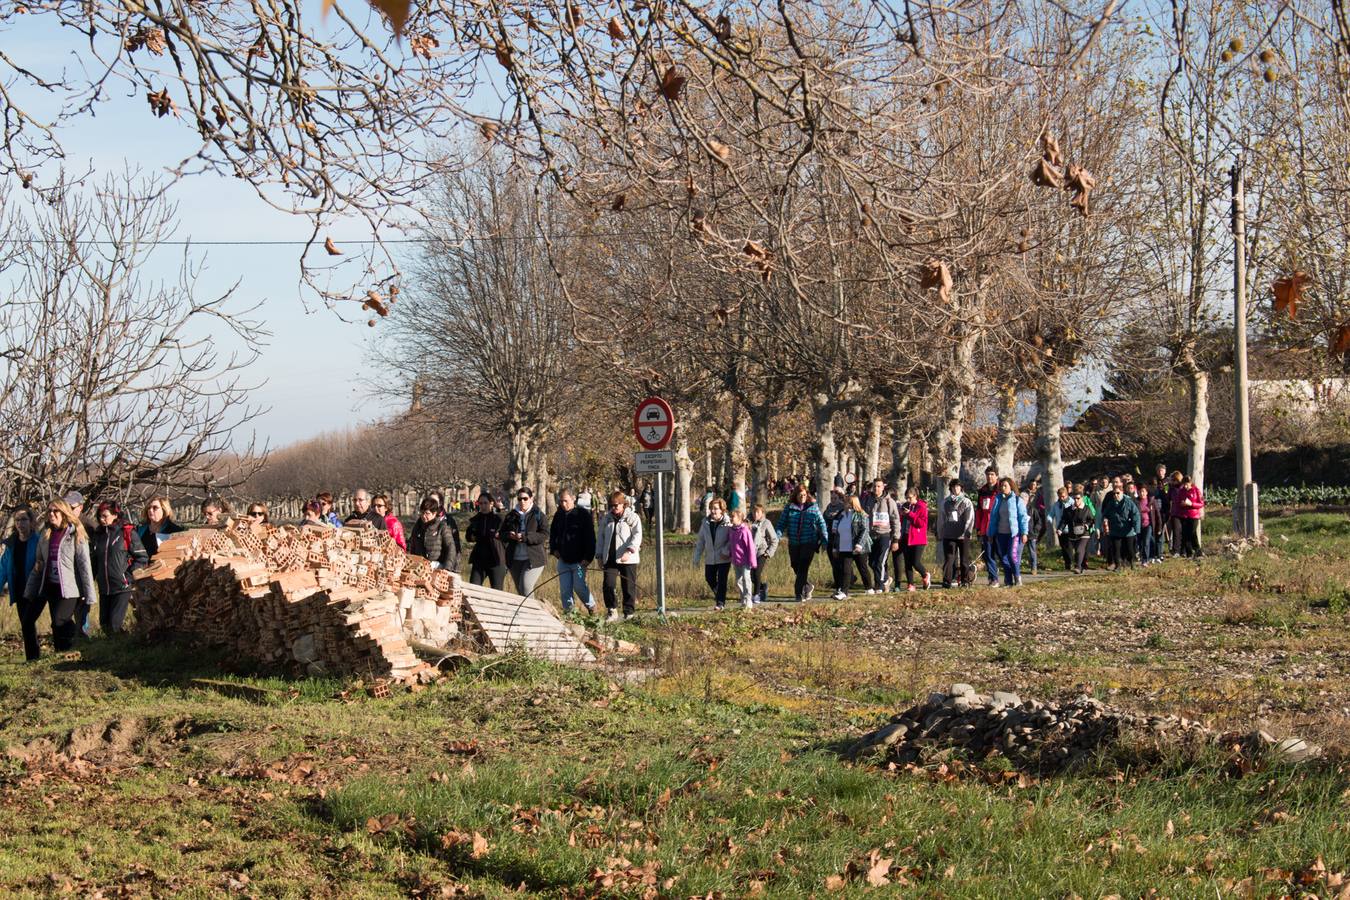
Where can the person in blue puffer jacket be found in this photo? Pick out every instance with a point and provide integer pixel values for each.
(802, 525)
(20, 551)
(1009, 529)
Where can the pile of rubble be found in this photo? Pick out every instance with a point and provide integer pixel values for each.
(340, 601)
(1039, 735)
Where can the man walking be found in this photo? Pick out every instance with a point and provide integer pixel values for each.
(958, 519)
(984, 505)
(884, 524)
(571, 539)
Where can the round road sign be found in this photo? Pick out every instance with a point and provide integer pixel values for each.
(653, 423)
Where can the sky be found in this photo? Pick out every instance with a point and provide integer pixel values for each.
(316, 367)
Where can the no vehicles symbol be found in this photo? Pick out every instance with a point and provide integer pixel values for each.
(653, 423)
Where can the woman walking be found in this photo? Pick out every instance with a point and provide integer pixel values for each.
(156, 524)
(850, 545)
(1076, 525)
(766, 545)
(803, 526)
(914, 512)
(618, 550)
(741, 551)
(524, 532)
(1189, 507)
(713, 547)
(117, 551)
(62, 573)
(431, 537)
(487, 560)
(1008, 530)
(19, 555)
(380, 503)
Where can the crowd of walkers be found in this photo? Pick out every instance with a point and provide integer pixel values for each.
(73, 559)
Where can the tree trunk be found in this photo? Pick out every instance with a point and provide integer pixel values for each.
(708, 478)
(738, 461)
(518, 462)
(824, 454)
(1005, 445)
(684, 477)
(946, 439)
(543, 497)
(898, 475)
(761, 459)
(1050, 406)
(873, 466)
(1199, 433)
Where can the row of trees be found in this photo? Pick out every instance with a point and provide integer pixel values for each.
(805, 223)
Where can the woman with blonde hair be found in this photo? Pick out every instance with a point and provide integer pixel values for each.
(157, 522)
(61, 575)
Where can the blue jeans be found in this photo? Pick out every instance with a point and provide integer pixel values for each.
(1009, 548)
(990, 558)
(572, 577)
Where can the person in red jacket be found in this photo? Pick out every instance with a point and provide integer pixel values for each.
(984, 502)
(914, 527)
(1189, 506)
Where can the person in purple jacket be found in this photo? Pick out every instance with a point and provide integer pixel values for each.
(744, 560)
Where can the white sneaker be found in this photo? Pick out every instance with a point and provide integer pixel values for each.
(806, 591)
(869, 592)
(613, 616)
(840, 595)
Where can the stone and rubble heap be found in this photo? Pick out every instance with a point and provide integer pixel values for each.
(1041, 735)
(323, 600)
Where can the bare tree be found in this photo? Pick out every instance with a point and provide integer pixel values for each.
(110, 380)
(484, 333)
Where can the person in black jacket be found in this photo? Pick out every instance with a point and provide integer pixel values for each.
(1076, 525)
(571, 538)
(361, 511)
(433, 537)
(524, 532)
(116, 552)
(487, 561)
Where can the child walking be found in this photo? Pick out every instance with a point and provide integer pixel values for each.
(741, 549)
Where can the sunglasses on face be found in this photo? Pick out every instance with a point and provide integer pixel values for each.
(256, 512)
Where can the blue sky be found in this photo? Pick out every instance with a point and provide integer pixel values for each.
(315, 365)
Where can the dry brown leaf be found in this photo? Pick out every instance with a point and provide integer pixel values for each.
(504, 53)
(160, 103)
(935, 274)
(480, 847)
(878, 869)
(489, 130)
(672, 82)
(723, 27)
(331, 247)
(1342, 343)
(719, 149)
(1050, 151)
(615, 29)
(1079, 180)
(423, 44)
(834, 883)
(1046, 175)
(755, 250)
(1289, 292)
(574, 16)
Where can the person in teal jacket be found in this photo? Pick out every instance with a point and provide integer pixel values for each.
(20, 551)
(1121, 524)
(1008, 530)
(804, 528)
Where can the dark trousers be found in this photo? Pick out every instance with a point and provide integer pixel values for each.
(1190, 537)
(716, 576)
(1122, 550)
(112, 611)
(82, 618)
(1110, 550)
(843, 565)
(63, 619)
(1079, 548)
(495, 576)
(879, 559)
(1066, 550)
(1175, 528)
(990, 548)
(952, 549)
(761, 592)
(625, 574)
(801, 556)
(1148, 546)
(913, 558)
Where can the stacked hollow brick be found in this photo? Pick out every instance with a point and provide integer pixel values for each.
(330, 600)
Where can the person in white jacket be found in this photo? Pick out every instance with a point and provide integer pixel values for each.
(766, 544)
(618, 552)
(713, 547)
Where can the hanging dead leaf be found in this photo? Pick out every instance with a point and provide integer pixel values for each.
(755, 250)
(722, 27)
(504, 54)
(160, 103)
(1046, 175)
(719, 149)
(1342, 342)
(615, 28)
(574, 16)
(331, 247)
(935, 274)
(672, 82)
(151, 39)
(1050, 151)
(396, 11)
(423, 44)
(865, 215)
(1081, 182)
(375, 303)
(1289, 292)
(489, 129)
(221, 118)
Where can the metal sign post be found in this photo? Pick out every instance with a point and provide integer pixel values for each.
(653, 425)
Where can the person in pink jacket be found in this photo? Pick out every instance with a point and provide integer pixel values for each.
(741, 550)
(380, 503)
(1188, 505)
(913, 538)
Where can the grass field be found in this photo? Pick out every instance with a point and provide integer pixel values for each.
(720, 774)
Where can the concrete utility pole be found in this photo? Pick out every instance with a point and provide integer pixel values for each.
(1246, 506)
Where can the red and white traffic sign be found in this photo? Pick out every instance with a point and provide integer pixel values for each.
(653, 423)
